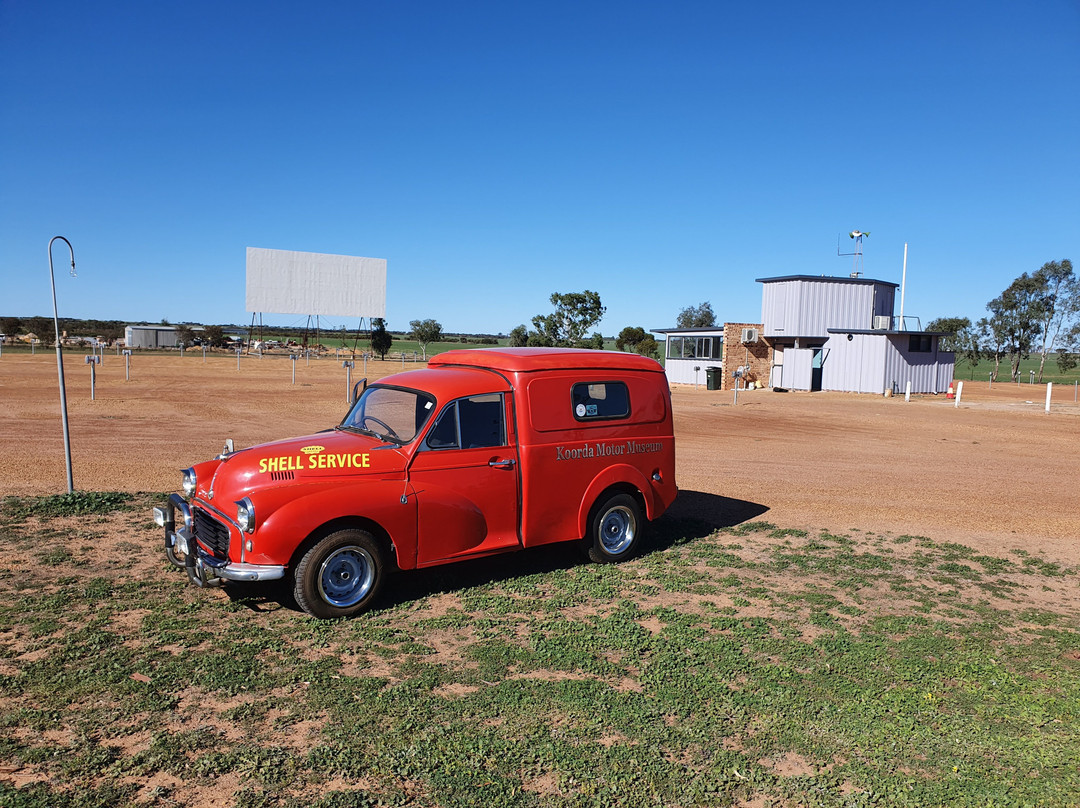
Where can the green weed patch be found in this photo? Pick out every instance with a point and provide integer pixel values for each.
(785, 667)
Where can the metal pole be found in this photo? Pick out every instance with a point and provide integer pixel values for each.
(903, 285)
(1049, 387)
(293, 363)
(127, 366)
(204, 354)
(60, 360)
(238, 352)
(92, 362)
(348, 379)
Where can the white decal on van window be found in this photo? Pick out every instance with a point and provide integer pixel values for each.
(580, 410)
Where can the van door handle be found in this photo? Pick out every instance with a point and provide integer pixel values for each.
(501, 464)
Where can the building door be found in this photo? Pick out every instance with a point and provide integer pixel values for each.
(815, 370)
(776, 375)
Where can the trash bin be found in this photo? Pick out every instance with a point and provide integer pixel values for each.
(713, 377)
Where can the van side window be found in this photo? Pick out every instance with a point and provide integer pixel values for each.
(600, 400)
(470, 423)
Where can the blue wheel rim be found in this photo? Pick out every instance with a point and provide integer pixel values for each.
(346, 576)
(617, 530)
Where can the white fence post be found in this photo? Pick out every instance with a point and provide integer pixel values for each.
(907, 391)
(959, 392)
(1049, 387)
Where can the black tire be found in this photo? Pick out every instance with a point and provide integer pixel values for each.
(340, 575)
(615, 529)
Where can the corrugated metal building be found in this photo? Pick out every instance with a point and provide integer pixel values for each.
(837, 334)
(150, 336)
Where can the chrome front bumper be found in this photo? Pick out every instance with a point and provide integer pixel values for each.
(202, 568)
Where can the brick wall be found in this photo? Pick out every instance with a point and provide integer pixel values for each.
(757, 355)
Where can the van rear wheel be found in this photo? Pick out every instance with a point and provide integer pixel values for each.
(340, 575)
(615, 529)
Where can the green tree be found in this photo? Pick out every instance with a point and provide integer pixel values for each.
(575, 313)
(184, 335)
(1061, 303)
(960, 337)
(696, 317)
(43, 328)
(424, 332)
(214, 336)
(1066, 360)
(990, 334)
(10, 326)
(380, 337)
(519, 337)
(1018, 314)
(637, 340)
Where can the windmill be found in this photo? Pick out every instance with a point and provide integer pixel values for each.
(856, 264)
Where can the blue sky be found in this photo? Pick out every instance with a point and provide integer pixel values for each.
(661, 154)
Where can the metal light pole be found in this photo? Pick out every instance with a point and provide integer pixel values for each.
(60, 359)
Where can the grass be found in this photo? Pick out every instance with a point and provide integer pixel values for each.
(1051, 373)
(755, 662)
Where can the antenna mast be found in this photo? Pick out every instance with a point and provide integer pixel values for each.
(856, 261)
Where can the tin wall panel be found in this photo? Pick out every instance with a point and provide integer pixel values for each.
(808, 308)
(928, 372)
(798, 368)
(856, 365)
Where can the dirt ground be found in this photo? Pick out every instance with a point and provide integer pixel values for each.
(997, 473)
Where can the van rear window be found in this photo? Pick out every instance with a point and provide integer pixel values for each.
(600, 400)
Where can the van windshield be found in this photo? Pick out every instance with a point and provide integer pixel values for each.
(392, 414)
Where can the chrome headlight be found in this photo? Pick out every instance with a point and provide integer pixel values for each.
(188, 482)
(245, 515)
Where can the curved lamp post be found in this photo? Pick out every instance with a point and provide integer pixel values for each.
(60, 359)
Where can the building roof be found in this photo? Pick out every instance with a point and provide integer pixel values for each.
(827, 279)
(715, 329)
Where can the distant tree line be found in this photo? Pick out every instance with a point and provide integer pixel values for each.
(1037, 313)
(45, 330)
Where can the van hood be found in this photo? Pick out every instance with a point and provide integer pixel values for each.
(334, 455)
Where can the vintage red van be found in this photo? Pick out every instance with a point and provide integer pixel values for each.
(484, 451)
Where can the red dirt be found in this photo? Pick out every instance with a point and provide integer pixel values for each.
(996, 473)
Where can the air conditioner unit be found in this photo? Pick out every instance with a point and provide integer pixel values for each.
(749, 335)
(882, 322)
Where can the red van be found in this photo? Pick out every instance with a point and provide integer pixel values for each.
(484, 451)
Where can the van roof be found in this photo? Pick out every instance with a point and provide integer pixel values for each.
(523, 360)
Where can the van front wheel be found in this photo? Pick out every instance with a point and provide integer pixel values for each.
(339, 576)
(615, 529)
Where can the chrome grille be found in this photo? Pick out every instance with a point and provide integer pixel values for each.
(211, 534)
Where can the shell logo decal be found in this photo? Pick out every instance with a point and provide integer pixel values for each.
(310, 450)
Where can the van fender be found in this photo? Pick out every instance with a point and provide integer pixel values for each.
(373, 501)
(619, 474)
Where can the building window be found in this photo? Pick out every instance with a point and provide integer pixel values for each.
(695, 347)
(600, 400)
(920, 343)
